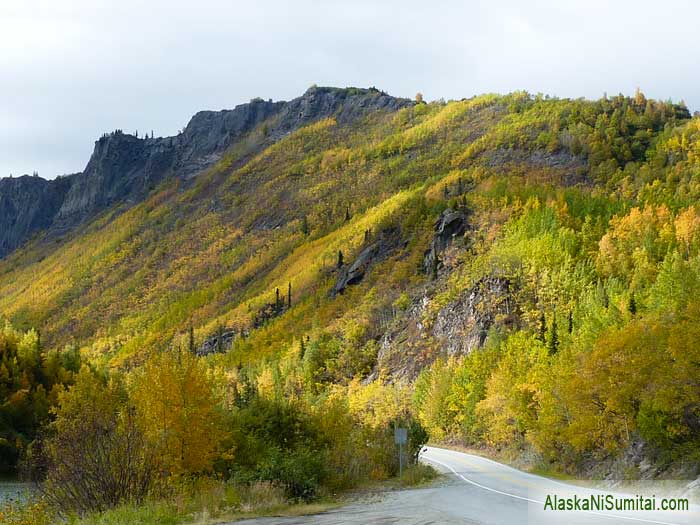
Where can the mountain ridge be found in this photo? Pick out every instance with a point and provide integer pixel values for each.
(506, 255)
(124, 168)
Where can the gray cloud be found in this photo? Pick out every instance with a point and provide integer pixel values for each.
(70, 70)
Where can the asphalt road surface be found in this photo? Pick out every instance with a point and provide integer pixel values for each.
(480, 491)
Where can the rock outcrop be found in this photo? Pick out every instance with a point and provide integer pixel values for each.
(353, 273)
(450, 225)
(217, 343)
(28, 204)
(123, 168)
(462, 325)
(458, 328)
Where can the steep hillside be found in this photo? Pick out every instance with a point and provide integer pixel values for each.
(349, 236)
(220, 243)
(124, 169)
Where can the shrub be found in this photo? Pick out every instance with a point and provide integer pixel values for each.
(417, 437)
(299, 472)
(417, 474)
(96, 458)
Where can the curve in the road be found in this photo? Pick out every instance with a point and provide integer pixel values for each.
(426, 456)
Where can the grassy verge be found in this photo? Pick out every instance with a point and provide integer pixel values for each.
(219, 502)
(204, 502)
(414, 476)
(208, 502)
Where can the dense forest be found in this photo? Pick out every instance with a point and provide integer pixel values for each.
(559, 321)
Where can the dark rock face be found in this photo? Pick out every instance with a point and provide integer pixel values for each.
(346, 105)
(450, 225)
(220, 342)
(210, 133)
(459, 328)
(463, 325)
(27, 204)
(124, 168)
(379, 250)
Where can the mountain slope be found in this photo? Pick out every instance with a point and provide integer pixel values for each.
(124, 168)
(213, 249)
(247, 236)
(350, 236)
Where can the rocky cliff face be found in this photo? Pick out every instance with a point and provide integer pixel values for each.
(459, 328)
(27, 204)
(417, 338)
(124, 168)
(387, 242)
(450, 225)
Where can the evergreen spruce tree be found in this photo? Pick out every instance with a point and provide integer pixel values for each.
(340, 259)
(190, 343)
(289, 295)
(541, 335)
(632, 305)
(571, 322)
(434, 266)
(220, 339)
(553, 342)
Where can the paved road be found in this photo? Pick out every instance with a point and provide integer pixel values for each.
(479, 491)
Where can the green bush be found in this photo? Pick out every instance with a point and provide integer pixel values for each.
(417, 437)
(299, 472)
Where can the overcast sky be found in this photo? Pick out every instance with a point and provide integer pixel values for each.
(73, 69)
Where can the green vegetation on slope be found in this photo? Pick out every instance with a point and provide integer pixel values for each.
(586, 209)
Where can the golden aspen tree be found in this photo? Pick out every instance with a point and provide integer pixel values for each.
(687, 225)
(177, 410)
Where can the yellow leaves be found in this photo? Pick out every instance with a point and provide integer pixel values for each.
(33, 512)
(428, 120)
(640, 237)
(266, 383)
(226, 385)
(684, 144)
(377, 404)
(512, 392)
(500, 423)
(436, 192)
(176, 409)
(434, 396)
(625, 366)
(303, 264)
(687, 226)
(335, 159)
